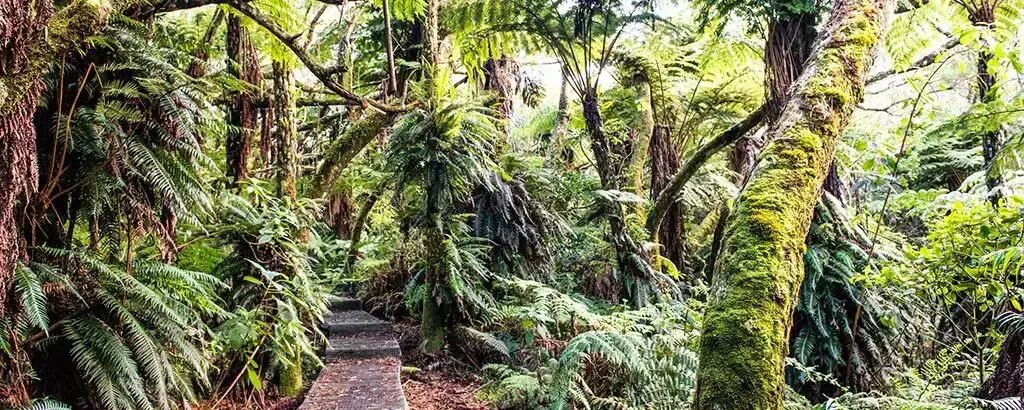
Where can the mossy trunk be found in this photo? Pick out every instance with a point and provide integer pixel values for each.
(30, 42)
(749, 314)
(289, 380)
(432, 34)
(433, 326)
(287, 143)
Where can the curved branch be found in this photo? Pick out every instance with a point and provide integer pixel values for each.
(668, 195)
(342, 150)
(324, 74)
(921, 62)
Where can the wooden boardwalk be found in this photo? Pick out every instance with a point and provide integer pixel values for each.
(362, 363)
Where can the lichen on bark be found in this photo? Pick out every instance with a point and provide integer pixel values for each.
(746, 327)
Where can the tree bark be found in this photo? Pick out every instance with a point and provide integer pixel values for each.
(30, 40)
(787, 48)
(244, 65)
(749, 315)
(664, 164)
(287, 143)
(432, 34)
(667, 197)
(500, 76)
(984, 15)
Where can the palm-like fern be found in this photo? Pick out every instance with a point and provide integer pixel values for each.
(440, 153)
(628, 359)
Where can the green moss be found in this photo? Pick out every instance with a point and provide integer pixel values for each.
(289, 380)
(749, 314)
(432, 326)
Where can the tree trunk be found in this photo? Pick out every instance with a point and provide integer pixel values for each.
(392, 80)
(1008, 378)
(431, 34)
(244, 65)
(642, 139)
(287, 144)
(786, 51)
(30, 41)
(749, 315)
(630, 258)
(500, 76)
(664, 164)
(984, 16)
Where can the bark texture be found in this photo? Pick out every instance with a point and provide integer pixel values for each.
(244, 64)
(667, 196)
(664, 164)
(787, 49)
(285, 131)
(31, 37)
(501, 75)
(746, 328)
(983, 14)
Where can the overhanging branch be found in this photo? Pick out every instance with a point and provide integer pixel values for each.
(324, 74)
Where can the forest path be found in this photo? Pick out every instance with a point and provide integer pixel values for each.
(362, 363)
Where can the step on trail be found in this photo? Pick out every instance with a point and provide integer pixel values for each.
(362, 363)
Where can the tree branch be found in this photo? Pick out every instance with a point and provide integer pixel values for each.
(921, 62)
(668, 195)
(322, 73)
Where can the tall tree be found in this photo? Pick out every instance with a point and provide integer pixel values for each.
(749, 315)
(243, 63)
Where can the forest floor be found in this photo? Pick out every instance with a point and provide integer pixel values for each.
(442, 390)
(438, 382)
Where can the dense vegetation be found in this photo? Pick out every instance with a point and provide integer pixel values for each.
(707, 204)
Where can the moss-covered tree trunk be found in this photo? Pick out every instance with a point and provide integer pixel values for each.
(432, 33)
(285, 131)
(746, 328)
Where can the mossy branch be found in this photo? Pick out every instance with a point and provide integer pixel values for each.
(341, 152)
(668, 195)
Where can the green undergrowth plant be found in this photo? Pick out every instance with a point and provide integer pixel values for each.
(275, 296)
(562, 352)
